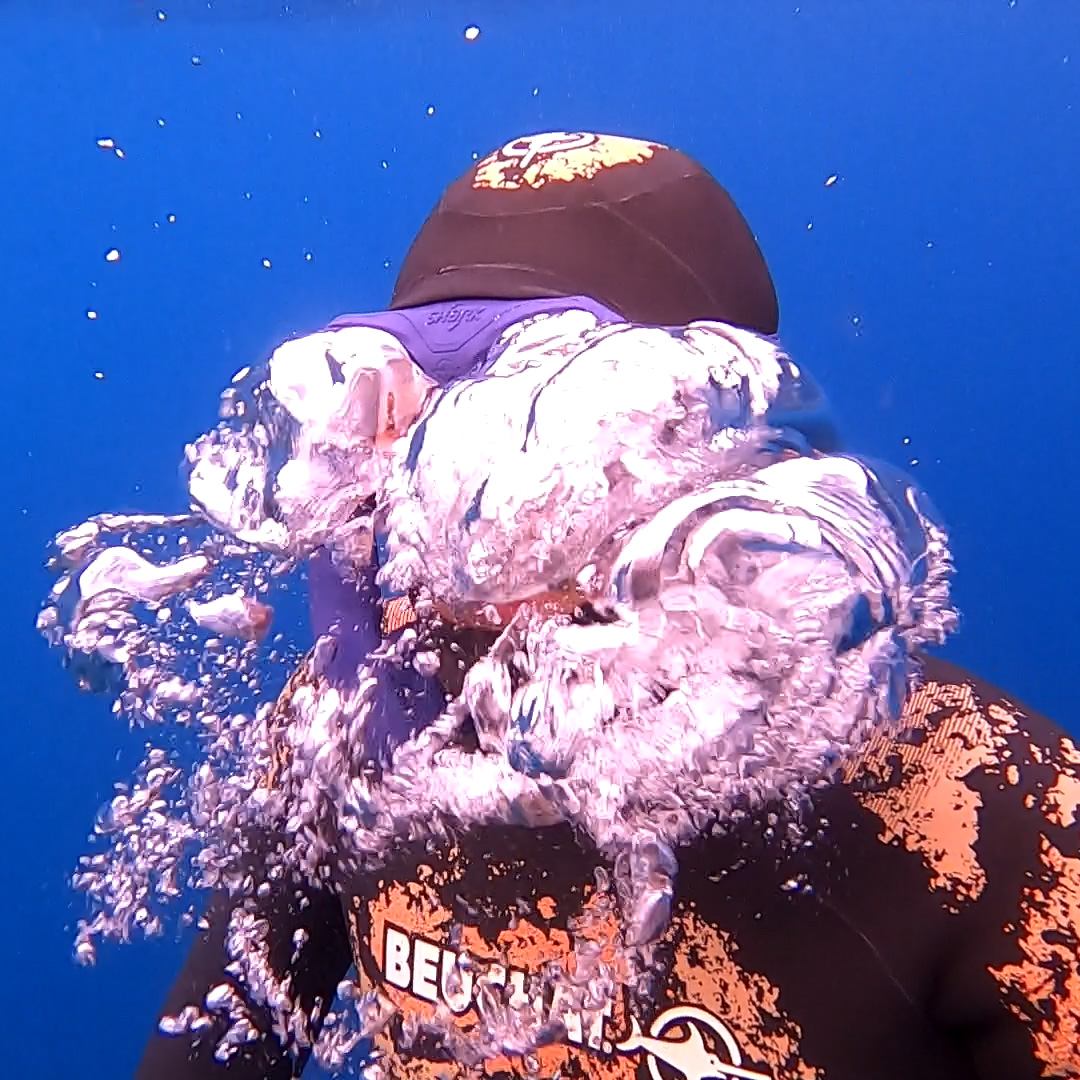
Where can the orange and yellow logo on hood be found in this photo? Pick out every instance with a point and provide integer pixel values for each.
(554, 156)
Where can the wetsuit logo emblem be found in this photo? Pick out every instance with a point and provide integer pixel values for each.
(556, 156)
(688, 1057)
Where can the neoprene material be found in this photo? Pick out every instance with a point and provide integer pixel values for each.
(640, 227)
(927, 930)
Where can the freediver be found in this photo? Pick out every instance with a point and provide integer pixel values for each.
(929, 926)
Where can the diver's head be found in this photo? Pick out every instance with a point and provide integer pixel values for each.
(638, 226)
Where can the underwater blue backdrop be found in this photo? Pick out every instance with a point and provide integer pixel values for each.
(932, 288)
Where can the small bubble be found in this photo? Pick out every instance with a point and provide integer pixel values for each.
(112, 255)
(907, 440)
(536, 90)
(266, 264)
(106, 144)
(318, 134)
(929, 243)
(161, 16)
(171, 219)
(914, 461)
(99, 374)
(161, 121)
(308, 256)
(831, 179)
(809, 226)
(431, 110)
(196, 61)
(384, 164)
(472, 33)
(91, 314)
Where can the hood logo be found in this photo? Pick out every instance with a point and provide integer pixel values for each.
(689, 1057)
(558, 156)
(525, 151)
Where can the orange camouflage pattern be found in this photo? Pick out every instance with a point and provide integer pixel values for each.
(706, 970)
(961, 751)
(976, 744)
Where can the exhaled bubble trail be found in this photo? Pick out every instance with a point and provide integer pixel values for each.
(716, 621)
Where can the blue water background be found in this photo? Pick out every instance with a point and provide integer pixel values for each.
(935, 296)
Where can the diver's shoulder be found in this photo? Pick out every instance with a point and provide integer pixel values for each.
(955, 723)
(966, 757)
(953, 714)
(1003, 715)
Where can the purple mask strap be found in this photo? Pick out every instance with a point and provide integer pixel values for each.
(349, 613)
(451, 339)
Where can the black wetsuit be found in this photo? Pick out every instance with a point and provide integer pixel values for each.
(929, 928)
(923, 921)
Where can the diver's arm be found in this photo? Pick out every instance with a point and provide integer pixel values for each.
(1009, 990)
(320, 964)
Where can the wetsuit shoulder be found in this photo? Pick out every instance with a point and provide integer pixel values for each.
(923, 922)
(982, 795)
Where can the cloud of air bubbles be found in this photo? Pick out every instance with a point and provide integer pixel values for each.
(753, 614)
